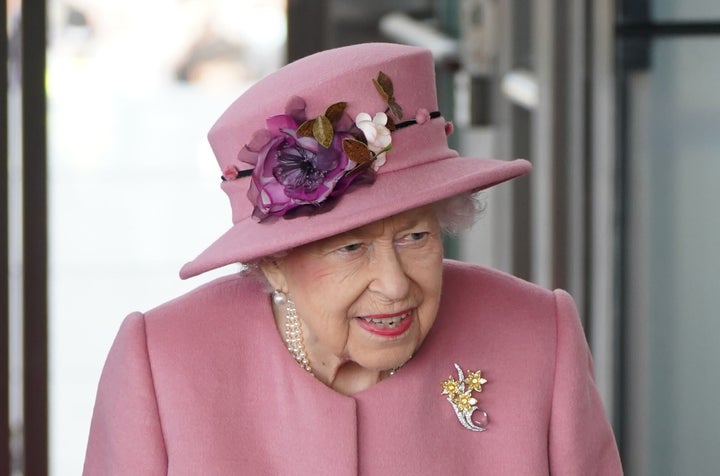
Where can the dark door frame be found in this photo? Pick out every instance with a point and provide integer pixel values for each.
(32, 457)
(4, 256)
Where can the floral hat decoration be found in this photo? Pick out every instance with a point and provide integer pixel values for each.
(333, 142)
(299, 161)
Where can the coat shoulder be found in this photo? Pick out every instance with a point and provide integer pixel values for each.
(213, 298)
(494, 313)
(474, 282)
(208, 315)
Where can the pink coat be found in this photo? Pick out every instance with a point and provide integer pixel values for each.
(203, 385)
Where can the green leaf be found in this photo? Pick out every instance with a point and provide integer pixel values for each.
(306, 128)
(323, 131)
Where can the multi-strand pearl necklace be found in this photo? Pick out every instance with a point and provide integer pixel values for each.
(293, 330)
(294, 335)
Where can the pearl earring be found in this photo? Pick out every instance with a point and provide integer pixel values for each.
(279, 297)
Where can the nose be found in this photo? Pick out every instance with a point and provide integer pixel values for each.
(389, 278)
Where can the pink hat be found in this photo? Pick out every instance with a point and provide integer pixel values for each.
(301, 163)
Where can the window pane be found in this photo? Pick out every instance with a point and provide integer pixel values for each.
(133, 88)
(686, 10)
(673, 262)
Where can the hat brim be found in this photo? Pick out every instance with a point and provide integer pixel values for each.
(390, 194)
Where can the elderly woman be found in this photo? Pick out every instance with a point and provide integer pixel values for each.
(347, 345)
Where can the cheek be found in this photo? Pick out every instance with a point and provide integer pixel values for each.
(429, 278)
(316, 275)
(326, 289)
(426, 266)
(432, 286)
(299, 272)
(431, 304)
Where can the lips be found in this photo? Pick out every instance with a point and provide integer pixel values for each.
(387, 325)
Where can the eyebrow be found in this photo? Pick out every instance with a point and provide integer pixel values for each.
(361, 232)
(407, 223)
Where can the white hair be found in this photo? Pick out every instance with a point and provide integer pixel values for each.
(459, 212)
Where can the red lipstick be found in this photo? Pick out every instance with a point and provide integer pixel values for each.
(387, 325)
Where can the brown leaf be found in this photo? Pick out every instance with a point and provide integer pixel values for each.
(381, 90)
(357, 151)
(335, 111)
(306, 128)
(390, 124)
(384, 85)
(323, 131)
(395, 108)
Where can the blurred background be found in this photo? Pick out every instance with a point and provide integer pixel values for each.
(109, 186)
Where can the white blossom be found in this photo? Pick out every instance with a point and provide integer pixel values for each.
(376, 133)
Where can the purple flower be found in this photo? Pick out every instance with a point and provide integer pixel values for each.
(291, 171)
(301, 162)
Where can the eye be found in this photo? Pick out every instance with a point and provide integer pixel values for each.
(414, 238)
(419, 235)
(350, 248)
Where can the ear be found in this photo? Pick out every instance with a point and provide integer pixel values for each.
(274, 274)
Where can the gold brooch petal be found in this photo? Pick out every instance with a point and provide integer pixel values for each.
(459, 394)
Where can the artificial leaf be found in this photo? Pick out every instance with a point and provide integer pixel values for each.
(335, 111)
(360, 137)
(395, 108)
(306, 128)
(381, 90)
(357, 151)
(323, 131)
(384, 85)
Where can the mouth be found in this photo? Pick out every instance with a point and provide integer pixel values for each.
(387, 325)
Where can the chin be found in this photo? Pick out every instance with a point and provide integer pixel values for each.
(388, 359)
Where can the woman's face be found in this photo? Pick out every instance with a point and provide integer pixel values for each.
(368, 296)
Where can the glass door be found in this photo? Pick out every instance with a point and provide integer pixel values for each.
(669, 68)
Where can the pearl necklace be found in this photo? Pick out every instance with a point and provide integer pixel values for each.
(294, 335)
(293, 331)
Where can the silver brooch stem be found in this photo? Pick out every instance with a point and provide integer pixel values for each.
(459, 394)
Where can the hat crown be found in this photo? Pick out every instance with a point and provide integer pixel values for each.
(339, 75)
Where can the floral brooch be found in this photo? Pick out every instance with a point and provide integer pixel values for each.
(459, 394)
(300, 161)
